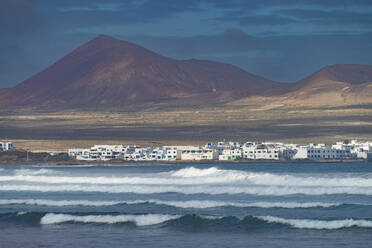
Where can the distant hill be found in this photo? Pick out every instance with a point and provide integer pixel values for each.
(110, 73)
(334, 85)
(106, 72)
(351, 74)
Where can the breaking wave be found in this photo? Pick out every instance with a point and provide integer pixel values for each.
(195, 172)
(139, 220)
(194, 220)
(189, 180)
(187, 222)
(179, 204)
(194, 176)
(197, 189)
(318, 224)
(30, 172)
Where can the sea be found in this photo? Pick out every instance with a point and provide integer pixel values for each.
(187, 205)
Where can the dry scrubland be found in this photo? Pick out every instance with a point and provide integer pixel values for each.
(61, 130)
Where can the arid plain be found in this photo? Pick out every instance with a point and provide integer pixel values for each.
(112, 91)
(60, 130)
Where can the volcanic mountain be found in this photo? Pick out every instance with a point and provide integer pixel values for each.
(342, 84)
(110, 73)
(335, 85)
(346, 73)
(106, 72)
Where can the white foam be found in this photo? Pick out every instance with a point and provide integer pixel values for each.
(30, 172)
(204, 189)
(139, 220)
(212, 204)
(195, 172)
(59, 203)
(179, 204)
(153, 179)
(21, 213)
(190, 181)
(194, 176)
(318, 224)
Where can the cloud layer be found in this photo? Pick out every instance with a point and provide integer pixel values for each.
(281, 40)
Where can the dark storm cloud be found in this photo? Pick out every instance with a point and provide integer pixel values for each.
(254, 13)
(253, 4)
(283, 40)
(241, 18)
(18, 16)
(238, 37)
(324, 17)
(286, 59)
(296, 15)
(117, 12)
(19, 20)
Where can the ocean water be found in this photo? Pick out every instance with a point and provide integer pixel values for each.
(187, 205)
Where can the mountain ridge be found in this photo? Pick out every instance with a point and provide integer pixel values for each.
(106, 72)
(109, 72)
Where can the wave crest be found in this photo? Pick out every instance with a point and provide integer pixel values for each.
(139, 220)
(186, 222)
(179, 204)
(197, 189)
(194, 176)
(30, 172)
(318, 224)
(195, 172)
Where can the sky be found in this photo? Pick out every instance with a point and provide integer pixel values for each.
(282, 40)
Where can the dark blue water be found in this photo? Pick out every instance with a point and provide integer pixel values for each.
(188, 205)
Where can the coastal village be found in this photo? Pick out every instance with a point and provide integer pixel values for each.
(228, 151)
(223, 151)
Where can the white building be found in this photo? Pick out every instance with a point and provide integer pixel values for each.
(6, 146)
(197, 153)
(360, 149)
(231, 154)
(223, 151)
(170, 152)
(260, 151)
(102, 152)
(322, 152)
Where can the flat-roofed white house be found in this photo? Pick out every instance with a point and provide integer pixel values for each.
(230, 154)
(223, 151)
(155, 153)
(360, 149)
(301, 153)
(6, 146)
(321, 151)
(170, 152)
(261, 151)
(197, 153)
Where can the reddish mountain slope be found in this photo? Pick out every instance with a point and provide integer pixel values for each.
(106, 72)
(334, 85)
(345, 73)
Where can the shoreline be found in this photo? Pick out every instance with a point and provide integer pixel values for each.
(21, 157)
(176, 162)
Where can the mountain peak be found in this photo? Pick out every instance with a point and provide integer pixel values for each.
(107, 42)
(104, 37)
(110, 72)
(347, 73)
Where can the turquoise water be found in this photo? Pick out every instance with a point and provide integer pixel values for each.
(184, 205)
